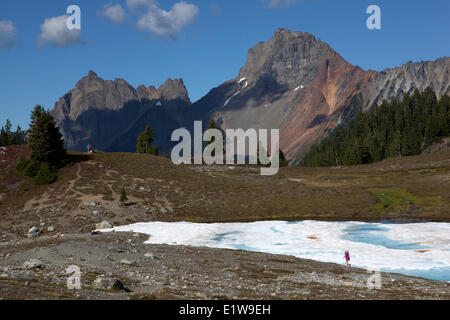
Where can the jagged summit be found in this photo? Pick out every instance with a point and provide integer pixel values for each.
(99, 111)
(92, 74)
(174, 89)
(289, 58)
(93, 92)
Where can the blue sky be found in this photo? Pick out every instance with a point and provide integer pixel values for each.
(205, 42)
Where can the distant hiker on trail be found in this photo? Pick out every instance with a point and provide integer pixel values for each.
(89, 148)
(347, 258)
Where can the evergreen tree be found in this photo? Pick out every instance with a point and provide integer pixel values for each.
(8, 127)
(364, 154)
(46, 142)
(395, 128)
(212, 125)
(144, 142)
(17, 138)
(5, 134)
(4, 140)
(283, 161)
(123, 196)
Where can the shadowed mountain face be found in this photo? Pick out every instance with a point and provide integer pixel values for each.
(293, 82)
(111, 114)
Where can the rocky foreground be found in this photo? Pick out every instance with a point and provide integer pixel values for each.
(120, 266)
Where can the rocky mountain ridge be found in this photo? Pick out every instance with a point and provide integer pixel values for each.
(293, 82)
(101, 111)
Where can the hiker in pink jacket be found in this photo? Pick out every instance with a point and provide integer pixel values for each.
(347, 258)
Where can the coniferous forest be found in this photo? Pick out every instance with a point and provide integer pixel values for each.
(392, 129)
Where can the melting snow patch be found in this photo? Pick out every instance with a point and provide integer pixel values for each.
(158, 104)
(419, 249)
(242, 79)
(299, 87)
(229, 99)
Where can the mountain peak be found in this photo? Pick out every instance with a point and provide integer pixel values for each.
(171, 89)
(88, 80)
(288, 59)
(92, 74)
(174, 89)
(286, 32)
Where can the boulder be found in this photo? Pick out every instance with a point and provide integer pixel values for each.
(34, 232)
(103, 225)
(32, 264)
(127, 262)
(110, 284)
(149, 255)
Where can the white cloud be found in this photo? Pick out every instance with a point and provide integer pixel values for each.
(55, 31)
(7, 34)
(114, 12)
(280, 3)
(160, 22)
(138, 5)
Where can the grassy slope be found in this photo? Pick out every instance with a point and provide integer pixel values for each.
(406, 188)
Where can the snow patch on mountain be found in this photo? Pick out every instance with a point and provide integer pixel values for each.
(229, 99)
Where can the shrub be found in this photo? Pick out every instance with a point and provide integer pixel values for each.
(31, 168)
(123, 196)
(45, 175)
(21, 164)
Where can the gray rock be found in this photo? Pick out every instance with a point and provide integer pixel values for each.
(51, 229)
(20, 275)
(34, 232)
(109, 284)
(88, 204)
(163, 210)
(149, 255)
(114, 249)
(32, 264)
(127, 262)
(104, 225)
